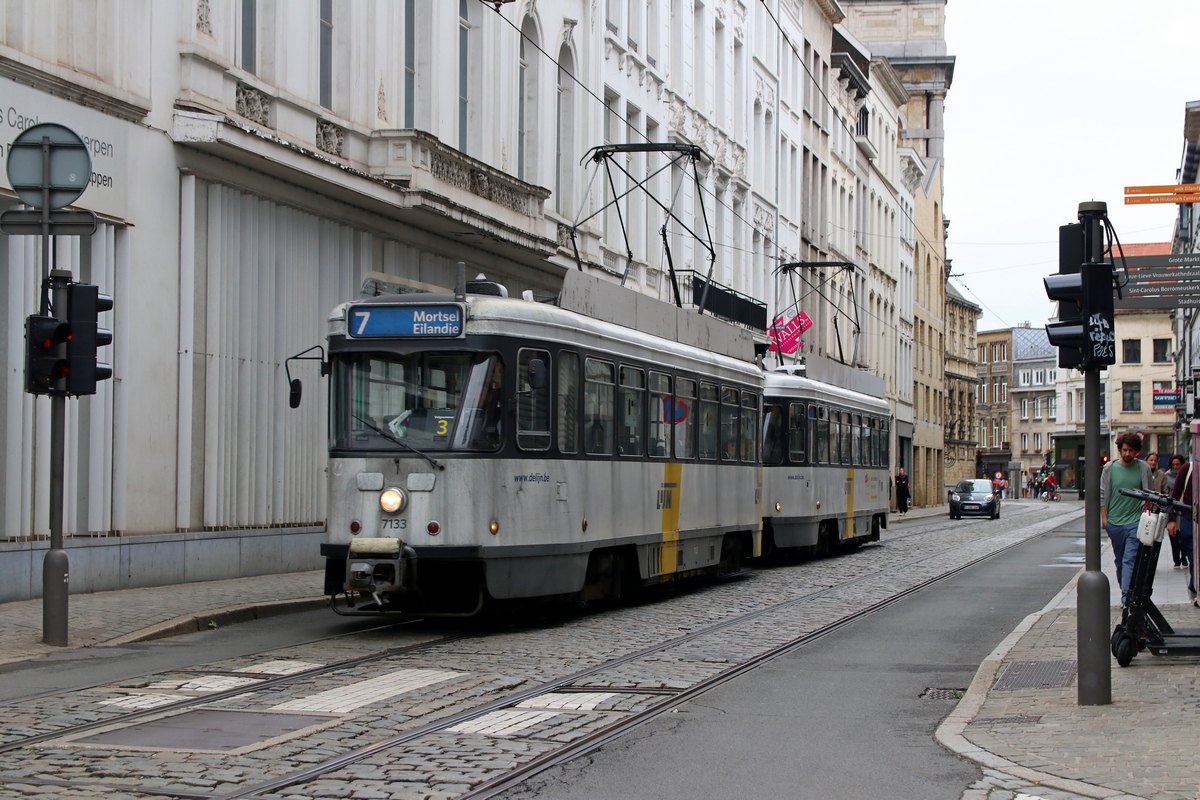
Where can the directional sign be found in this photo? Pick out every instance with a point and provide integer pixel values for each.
(1168, 189)
(1150, 199)
(62, 222)
(1162, 281)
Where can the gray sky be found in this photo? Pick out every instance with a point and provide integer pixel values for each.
(1054, 103)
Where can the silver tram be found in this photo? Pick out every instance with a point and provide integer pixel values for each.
(484, 448)
(496, 448)
(825, 464)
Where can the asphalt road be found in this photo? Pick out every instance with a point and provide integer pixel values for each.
(842, 718)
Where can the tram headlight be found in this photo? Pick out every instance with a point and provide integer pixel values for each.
(392, 500)
(779, 506)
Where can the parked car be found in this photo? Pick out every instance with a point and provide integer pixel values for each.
(975, 498)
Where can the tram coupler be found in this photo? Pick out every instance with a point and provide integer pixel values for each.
(376, 566)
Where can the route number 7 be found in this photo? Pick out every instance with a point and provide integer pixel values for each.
(362, 326)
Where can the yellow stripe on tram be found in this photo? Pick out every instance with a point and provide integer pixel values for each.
(671, 495)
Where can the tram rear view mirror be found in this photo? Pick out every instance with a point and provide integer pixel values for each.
(294, 396)
(537, 374)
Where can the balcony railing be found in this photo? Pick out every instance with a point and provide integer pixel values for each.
(721, 301)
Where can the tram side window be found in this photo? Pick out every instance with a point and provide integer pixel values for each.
(709, 411)
(871, 442)
(683, 412)
(857, 456)
(773, 434)
(835, 436)
(533, 404)
(598, 403)
(633, 411)
(847, 437)
(822, 435)
(658, 444)
(568, 402)
(749, 426)
(729, 424)
(798, 426)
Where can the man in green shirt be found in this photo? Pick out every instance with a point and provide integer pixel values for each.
(1119, 514)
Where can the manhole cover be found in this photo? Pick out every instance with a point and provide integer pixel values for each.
(1036, 675)
(942, 694)
(206, 729)
(1031, 719)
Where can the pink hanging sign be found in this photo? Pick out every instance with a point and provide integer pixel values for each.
(785, 336)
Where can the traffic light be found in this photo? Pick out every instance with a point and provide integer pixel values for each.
(1084, 333)
(46, 365)
(84, 304)
(1070, 259)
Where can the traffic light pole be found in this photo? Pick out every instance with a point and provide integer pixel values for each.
(1092, 647)
(55, 566)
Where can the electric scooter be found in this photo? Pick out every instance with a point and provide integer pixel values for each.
(1143, 626)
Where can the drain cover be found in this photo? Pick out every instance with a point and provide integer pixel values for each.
(1029, 719)
(1036, 675)
(206, 729)
(942, 694)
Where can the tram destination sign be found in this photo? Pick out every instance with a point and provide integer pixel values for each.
(1161, 281)
(409, 321)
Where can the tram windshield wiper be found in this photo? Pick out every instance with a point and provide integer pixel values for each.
(403, 444)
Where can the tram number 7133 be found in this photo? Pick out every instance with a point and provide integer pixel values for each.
(399, 524)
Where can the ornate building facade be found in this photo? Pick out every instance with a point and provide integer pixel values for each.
(962, 378)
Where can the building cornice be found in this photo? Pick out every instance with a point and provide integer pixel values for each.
(71, 85)
(832, 10)
(889, 79)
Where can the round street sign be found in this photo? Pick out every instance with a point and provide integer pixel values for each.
(69, 162)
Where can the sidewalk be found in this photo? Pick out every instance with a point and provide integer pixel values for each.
(1040, 743)
(137, 615)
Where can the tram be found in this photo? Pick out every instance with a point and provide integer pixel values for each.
(825, 464)
(486, 449)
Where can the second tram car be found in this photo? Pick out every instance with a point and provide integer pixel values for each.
(484, 448)
(825, 464)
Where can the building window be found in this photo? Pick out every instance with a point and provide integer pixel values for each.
(526, 100)
(1162, 351)
(1051, 407)
(410, 61)
(1024, 409)
(1003, 398)
(1024, 441)
(1131, 351)
(565, 133)
(1037, 408)
(1037, 441)
(326, 54)
(250, 36)
(1039, 377)
(464, 58)
(983, 354)
(1131, 395)
(1026, 377)
(1051, 376)
(1003, 430)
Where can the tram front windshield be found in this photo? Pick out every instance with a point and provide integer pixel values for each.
(429, 401)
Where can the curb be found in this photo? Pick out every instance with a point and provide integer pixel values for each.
(229, 615)
(950, 733)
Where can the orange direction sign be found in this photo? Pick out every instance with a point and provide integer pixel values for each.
(1171, 193)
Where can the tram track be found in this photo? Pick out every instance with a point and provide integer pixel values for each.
(573, 682)
(591, 742)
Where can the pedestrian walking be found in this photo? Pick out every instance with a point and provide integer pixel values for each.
(902, 492)
(1180, 528)
(1119, 514)
(1178, 555)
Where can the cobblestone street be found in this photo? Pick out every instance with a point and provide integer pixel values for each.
(412, 713)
